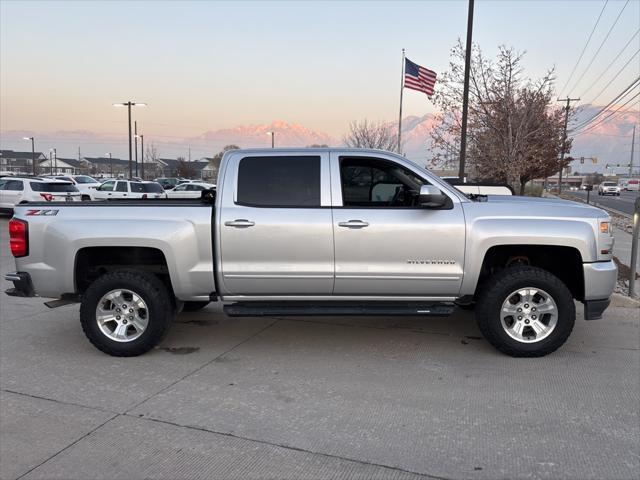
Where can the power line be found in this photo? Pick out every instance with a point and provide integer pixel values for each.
(615, 112)
(601, 45)
(615, 76)
(612, 62)
(585, 46)
(620, 95)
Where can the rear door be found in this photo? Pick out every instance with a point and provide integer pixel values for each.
(275, 231)
(121, 190)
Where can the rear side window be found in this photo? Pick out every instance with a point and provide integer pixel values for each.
(279, 181)
(15, 185)
(53, 187)
(146, 187)
(121, 187)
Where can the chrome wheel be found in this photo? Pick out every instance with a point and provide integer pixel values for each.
(122, 315)
(529, 315)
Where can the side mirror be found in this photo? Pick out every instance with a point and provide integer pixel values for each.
(432, 197)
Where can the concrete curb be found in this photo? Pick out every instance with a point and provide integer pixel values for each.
(619, 300)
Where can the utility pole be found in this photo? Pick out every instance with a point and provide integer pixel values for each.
(135, 136)
(465, 95)
(564, 136)
(130, 104)
(633, 140)
(55, 157)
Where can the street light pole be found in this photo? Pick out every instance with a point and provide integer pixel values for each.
(465, 93)
(33, 153)
(55, 157)
(130, 104)
(273, 139)
(633, 141)
(141, 137)
(135, 140)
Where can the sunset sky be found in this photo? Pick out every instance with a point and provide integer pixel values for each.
(209, 65)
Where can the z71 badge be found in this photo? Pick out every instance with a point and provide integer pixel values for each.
(44, 213)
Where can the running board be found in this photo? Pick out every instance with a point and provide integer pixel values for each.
(299, 309)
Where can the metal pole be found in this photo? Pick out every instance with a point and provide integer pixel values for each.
(634, 247)
(400, 116)
(633, 139)
(273, 139)
(55, 156)
(130, 164)
(50, 163)
(564, 137)
(33, 155)
(465, 94)
(135, 136)
(111, 163)
(142, 153)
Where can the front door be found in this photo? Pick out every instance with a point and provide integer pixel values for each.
(386, 244)
(275, 226)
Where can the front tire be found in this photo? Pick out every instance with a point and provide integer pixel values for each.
(126, 313)
(525, 312)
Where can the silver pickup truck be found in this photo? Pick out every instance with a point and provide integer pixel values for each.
(319, 232)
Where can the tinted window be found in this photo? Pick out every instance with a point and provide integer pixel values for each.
(146, 187)
(279, 181)
(53, 187)
(85, 179)
(15, 185)
(370, 182)
(180, 188)
(121, 187)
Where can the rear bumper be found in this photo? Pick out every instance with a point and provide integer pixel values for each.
(22, 285)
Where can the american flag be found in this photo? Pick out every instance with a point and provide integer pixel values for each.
(419, 78)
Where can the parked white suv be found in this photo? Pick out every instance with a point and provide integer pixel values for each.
(121, 189)
(609, 188)
(14, 191)
(84, 183)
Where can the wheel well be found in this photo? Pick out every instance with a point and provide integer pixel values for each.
(563, 262)
(92, 262)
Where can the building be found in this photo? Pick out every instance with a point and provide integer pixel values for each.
(61, 166)
(169, 167)
(19, 162)
(101, 167)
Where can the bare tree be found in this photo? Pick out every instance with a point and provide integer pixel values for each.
(151, 158)
(366, 134)
(185, 169)
(514, 130)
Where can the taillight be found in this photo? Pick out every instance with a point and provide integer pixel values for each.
(47, 196)
(19, 237)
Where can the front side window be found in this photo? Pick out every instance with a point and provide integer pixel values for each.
(279, 181)
(107, 187)
(180, 188)
(372, 182)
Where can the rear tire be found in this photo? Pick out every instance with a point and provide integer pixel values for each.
(537, 330)
(194, 306)
(126, 313)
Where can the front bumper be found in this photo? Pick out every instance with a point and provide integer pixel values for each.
(599, 282)
(22, 285)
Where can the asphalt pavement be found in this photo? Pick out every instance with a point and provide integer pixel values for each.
(330, 397)
(624, 203)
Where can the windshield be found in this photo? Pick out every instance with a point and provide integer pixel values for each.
(85, 179)
(53, 187)
(146, 187)
(610, 184)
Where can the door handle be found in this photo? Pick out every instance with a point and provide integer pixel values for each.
(353, 224)
(240, 223)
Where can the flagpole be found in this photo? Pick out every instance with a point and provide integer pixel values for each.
(400, 116)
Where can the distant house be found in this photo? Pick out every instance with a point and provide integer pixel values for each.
(100, 167)
(19, 162)
(210, 171)
(66, 166)
(170, 167)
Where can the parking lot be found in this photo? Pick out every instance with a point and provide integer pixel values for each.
(329, 397)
